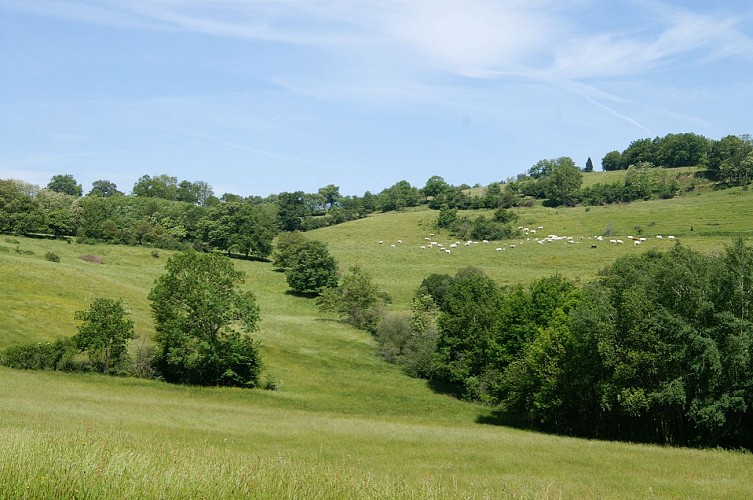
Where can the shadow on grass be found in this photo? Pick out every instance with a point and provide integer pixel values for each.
(504, 419)
(250, 258)
(303, 295)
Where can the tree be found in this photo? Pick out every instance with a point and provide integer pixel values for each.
(731, 159)
(197, 193)
(589, 165)
(241, 227)
(203, 320)
(286, 248)
(611, 161)
(435, 186)
(104, 188)
(65, 184)
(562, 182)
(161, 186)
(331, 195)
(312, 268)
(357, 298)
(638, 151)
(104, 333)
(291, 210)
(466, 347)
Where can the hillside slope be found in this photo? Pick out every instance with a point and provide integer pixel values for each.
(343, 423)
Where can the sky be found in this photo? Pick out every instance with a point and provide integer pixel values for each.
(257, 97)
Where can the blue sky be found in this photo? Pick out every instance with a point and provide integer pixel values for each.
(263, 96)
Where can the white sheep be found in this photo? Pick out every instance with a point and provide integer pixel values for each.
(671, 237)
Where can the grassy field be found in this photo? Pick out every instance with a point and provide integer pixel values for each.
(343, 424)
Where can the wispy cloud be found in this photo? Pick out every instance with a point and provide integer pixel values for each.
(470, 37)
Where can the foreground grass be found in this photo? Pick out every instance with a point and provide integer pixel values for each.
(129, 438)
(343, 423)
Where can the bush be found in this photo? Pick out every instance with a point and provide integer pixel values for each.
(52, 257)
(58, 355)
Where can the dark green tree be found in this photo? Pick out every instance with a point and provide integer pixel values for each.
(203, 319)
(65, 183)
(612, 161)
(104, 188)
(239, 227)
(589, 165)
(312, 268)
(104, 333)
(161, 186)
(291, 210)
(561, 183)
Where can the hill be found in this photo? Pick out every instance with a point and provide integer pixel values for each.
(342, 423)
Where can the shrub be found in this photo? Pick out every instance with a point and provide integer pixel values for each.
(52, 257)
(58, 355)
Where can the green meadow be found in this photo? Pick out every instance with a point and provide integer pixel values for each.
(342, 423)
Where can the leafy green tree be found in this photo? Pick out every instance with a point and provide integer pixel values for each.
(466, 347)
(203, 319)
(435, 186)
(612, 161)
(639, 151)
(197, 193)
(331, 195)
(399, 196)
(104, 188)
(161, 186)
(357, 298)
(65, 183)
(447, 217)
(731, 159)
(312, 268)
(291, 210)
(104, 333)
(682, 150)
(562, 182)
(286, 248)
(240, 227)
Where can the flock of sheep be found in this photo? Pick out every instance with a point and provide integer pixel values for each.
(529, 234)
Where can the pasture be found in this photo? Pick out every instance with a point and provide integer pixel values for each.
(343, 423)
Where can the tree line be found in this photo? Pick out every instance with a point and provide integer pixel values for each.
(659, 348)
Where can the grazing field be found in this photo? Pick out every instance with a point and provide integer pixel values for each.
(343, 424)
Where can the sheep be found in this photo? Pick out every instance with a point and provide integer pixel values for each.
(659, 236)
(485, 242)
(447, 250)
(600, 238)
(427, 239)
(671, 237)
(620, 242)
(613, 242)
(540, 227)
(512, 246)
(636, 242)
(593, 246)
(499, 249)
(454, 245)
(641, 239)
(392, 246)
(381, 242)
(423, 247)
(399, 241)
